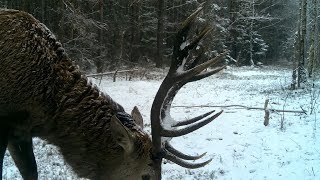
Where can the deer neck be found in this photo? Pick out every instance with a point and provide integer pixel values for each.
(81, 128)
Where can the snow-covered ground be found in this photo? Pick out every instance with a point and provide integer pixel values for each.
(239, 144)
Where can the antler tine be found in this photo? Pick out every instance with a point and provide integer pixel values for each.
(207, 74)
(193, 62)
(193, 120)
(201, 36)
(189, 129)
(180, 54)
(191, 18)
(189, 74)
(181, 162)
(181, 155)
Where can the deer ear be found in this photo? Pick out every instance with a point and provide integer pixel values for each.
(135, 113)
(121, 134)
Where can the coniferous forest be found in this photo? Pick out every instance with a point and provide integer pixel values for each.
(103, 35)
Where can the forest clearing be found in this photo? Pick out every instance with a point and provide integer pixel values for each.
(240, 145)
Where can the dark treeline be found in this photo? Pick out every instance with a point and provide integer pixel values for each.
(106, 34)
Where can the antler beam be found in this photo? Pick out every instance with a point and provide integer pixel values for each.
(183, 69)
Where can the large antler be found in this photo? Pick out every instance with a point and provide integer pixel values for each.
(182, 71)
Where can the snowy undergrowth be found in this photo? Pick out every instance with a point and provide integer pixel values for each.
(239, 144)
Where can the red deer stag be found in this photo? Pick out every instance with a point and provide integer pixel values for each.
(43, 94)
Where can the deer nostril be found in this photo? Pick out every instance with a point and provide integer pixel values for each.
(145, 177)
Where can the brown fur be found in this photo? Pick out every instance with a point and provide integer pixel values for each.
(43, 94)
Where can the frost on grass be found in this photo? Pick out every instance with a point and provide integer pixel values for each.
(253, 152)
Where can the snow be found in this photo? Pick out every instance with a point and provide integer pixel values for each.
(239, 144)
(183, 45)
(180, 69)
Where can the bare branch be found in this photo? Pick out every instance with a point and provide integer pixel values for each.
(108, 73)
(245, 107)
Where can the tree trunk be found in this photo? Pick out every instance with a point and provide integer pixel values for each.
(301, 71)
(159, 54)
(25, 5)
(99, 60)
(313, 47)
(135, 31)
(251, 34)
(316, 36)
(233, 33)
(294, 65)
(43, 11)
(59, 19)
(297, 53)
